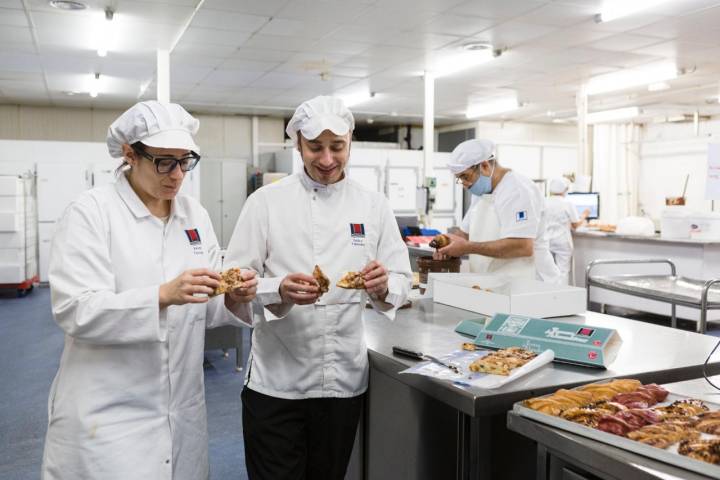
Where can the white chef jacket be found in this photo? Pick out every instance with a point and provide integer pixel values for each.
(311, 351)
(520, 210)
(128, 399)
(560, 214)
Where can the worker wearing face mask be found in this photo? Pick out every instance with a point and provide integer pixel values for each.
(506, 233)
(562, 217)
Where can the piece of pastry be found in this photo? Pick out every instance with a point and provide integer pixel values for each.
(502, 362)
(704, 450)
(470, 347)
(231, 279)
(352, 281)
(322, 280)
(663, 435)
(440, 241)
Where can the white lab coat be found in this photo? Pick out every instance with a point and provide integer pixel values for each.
(311, 351)
(515, 209)
(560, 215)
(128, 399)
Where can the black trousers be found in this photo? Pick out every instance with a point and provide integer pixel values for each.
(305, 439)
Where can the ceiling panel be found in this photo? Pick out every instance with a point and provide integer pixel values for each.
(513, 33)
(215, 37)
(493, 9)
(462, 25)
(624, 41)
(266, 8)
(225, 20)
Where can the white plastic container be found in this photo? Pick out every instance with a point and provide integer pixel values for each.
(705, 226)
(675, 223)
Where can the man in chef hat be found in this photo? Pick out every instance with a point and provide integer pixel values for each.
(308, 369)
(506, 227)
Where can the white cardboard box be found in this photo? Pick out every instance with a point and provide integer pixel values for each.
(507, 295)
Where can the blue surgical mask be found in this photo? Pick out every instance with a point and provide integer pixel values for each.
(483, 185)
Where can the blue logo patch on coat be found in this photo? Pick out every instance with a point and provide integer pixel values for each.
(521, 216)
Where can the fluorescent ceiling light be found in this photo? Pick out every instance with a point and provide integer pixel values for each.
(658, 87)
(106, 33)
(94, 85)
(67, 5)
(612, 115)
(351, 99)
(613, 9)
(461, 61)
(623, 79)
(492, 107)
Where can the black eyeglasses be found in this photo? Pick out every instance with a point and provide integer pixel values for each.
(165, 164)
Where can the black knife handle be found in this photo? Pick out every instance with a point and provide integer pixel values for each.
(407, 352)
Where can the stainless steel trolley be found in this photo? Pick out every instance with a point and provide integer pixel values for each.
(672, 289)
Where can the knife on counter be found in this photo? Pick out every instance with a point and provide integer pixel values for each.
(406, 352)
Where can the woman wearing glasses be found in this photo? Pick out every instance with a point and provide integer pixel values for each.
(131, 268)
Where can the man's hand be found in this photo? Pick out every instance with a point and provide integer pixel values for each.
(376, 279)
(457, 248)
(300, 289)
(247, 292)
(182, 289)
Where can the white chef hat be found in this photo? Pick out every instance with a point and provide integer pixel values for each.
(156, 124)
(558, 185)
(469, 153)
(319, 114)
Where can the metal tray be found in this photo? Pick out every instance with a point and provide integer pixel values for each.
(668, 455)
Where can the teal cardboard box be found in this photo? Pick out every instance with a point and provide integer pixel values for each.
(574, 343)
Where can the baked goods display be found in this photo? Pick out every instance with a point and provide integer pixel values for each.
(440, 241)
(641, 413)
(322, 280)
(502, 362)
(352, 281)
(231, 279)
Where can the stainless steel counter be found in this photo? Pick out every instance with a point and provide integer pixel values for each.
(559, 451)
(418, 427)
(648, 352)
(654, 238)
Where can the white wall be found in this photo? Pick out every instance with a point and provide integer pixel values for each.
(669, 152)
(220, 136)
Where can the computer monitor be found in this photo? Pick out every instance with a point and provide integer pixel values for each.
(586, 201)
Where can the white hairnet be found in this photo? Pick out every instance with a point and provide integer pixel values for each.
(156, 124)
(469, 153)
(558, 185)
(319, 114)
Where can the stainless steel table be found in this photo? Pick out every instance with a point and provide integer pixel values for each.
(418, 427)
(564, 455)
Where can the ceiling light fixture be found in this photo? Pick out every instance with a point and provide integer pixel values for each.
(492, 107)
(472, 55)
(636, 77)
(658, 87)
(351, 99)
(613, 9)
(607, 116)
(95, 85)
(67, 5)
(106, 33)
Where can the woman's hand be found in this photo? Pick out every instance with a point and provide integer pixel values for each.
(246, 293)
(187, 285)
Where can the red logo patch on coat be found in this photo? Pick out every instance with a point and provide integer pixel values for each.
(193, 236)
